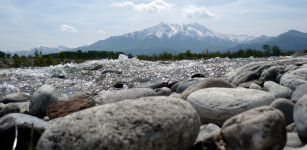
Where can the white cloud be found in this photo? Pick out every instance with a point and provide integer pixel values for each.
(246, 12)
(154, 6)
(122, 4)
(68, 28)
(193, 11)
(102, 31)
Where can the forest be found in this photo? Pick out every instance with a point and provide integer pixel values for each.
(39, 60)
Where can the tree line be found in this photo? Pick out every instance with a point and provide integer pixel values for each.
(39, 60)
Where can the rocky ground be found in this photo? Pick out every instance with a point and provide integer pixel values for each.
(259, 106)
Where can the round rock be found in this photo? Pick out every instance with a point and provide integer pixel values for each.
(278, 90)
(185, 84)
(299, 92)
(106, 97)
(164, 91)
(15, 97)
(42, 98)
(205, 131)
(26, 125)
(215, 105)
(206, 83)
(255, 86)
(286, 107)
(300, 117)
(261, 128)
(147, 123)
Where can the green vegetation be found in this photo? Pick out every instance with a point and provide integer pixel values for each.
(7, 61)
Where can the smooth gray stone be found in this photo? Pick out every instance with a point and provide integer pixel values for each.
(8, 108)
(262, 128)
(286, 107)
(41, 99)
(300, 117)
(216, 105)
(14, 98)
(106, 97)
(26, 125)
(260, 72)
(295, 78)
(299, 92)
(293, 140)
(255, 86)
(205, 131)
(147, 123)
(185, 84)
(164, 91)
(206, 83)
(278, 90)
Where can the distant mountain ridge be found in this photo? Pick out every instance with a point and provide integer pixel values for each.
(176, 38)
(170, 38)
(44, 49)
(291, 40)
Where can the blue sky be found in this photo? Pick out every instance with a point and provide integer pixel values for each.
(28, 23)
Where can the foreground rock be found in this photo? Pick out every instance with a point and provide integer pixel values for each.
(147, 123)
(205, 131)
(278, 90)
(299, 92)
(295, 78)
(258, 129)
(106, 97)
(300, 117)
(7, 109)
(42, 98)
(216, 105)
(15, 98)
(286, 107)
(63, 108)
(25, 124)
(206, 83)
(262, 128)
(293, 140)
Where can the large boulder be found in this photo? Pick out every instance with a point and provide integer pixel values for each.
(286, 107)
(278, 90)
(206, 83)
(300, 117)
(261, 128)
(263, 71)
(29, 130)
(299, 92)
(106, 97)
(216, 105)
(63, 108)
(14, 98)
(147, 123)
(42, 98)
(295, 78)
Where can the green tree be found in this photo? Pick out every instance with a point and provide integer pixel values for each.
(276, 50)
(62, 56)
(267, 49)
(16, 61)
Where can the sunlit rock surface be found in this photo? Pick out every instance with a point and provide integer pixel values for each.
(91, 76)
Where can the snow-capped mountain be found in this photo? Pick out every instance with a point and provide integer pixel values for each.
(194, 30)
(43, 49)
(171, 38)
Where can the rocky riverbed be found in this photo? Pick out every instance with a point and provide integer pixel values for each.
(219, 104)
